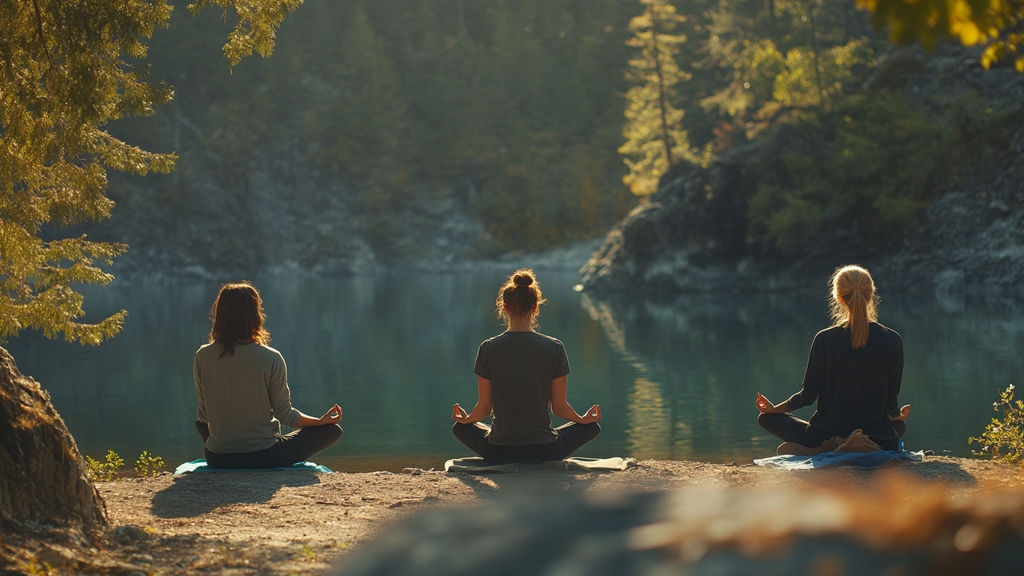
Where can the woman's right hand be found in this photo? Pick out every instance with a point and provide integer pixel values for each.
(592, 415)
(765, 406)
(333, 416)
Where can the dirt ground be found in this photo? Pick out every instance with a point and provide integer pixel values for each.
(301, 522)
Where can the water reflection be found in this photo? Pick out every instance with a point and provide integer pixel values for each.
(675, 377)
(704, 357)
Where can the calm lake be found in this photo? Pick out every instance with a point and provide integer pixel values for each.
(676, 379)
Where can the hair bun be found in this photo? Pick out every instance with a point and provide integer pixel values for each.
(522, 279)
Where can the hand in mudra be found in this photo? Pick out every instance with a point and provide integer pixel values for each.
(459, 414)
(592, 415)
(333, 416)
(765, 406)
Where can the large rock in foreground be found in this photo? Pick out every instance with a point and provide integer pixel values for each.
(42, 476)
(895, 526)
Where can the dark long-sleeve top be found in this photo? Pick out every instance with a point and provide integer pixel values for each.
(854, 387)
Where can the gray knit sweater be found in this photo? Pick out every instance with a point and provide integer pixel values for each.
(244, 397)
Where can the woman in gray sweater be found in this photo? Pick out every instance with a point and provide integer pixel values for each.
(242, 387)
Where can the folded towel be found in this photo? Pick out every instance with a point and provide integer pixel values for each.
(200, 466)
(864, 460)
(477, 464)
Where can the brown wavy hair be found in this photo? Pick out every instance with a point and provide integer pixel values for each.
(238, 317)
(854, 302)
(520, 295)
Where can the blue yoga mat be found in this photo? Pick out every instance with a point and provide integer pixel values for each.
(864, 460)
(200, 466)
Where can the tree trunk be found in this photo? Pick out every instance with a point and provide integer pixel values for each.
(42, 474)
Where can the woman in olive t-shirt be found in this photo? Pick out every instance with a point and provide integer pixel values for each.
(520, 372)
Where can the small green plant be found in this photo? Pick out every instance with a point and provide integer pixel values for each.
(308, 553)
(104, 471)
(1004, 439)
(148, 465)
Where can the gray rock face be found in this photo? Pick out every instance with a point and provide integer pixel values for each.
(703, 532)
(693, 234)
(278, 215)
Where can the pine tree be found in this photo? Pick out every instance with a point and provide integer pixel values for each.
(655, 139)
(69, 69)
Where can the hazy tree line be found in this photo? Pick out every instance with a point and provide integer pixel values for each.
(526, 109)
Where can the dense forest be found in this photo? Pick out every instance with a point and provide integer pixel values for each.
(521, 114)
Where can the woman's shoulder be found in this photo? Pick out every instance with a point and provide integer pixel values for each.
(550, 339)
(889, 333)
(260, 351)
(531, 336)
(830, 333)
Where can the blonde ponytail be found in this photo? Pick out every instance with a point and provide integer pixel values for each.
(854, 302)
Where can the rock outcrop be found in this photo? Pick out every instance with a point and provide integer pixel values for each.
(694, 234)
(42, 474)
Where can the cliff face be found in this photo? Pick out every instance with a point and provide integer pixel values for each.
(695, 234)
(278, 215)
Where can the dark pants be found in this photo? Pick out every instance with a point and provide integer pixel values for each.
(296, 446)
(570, 437)
(792, 429)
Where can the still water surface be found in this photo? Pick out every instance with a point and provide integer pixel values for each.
(676, 379)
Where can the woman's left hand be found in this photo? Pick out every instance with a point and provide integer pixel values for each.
(459, 415)
(333, 416)
(904, 412)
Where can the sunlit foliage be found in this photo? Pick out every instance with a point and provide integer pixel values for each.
(1003, 438)
(994, 24)
(655, 138)
(784, 58)
(869, 165)
(69, 69)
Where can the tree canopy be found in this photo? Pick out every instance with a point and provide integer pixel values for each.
(69, 69)
(655, 138)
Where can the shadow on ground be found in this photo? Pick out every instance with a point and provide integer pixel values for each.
(194, 494)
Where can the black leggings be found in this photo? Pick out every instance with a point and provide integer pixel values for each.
(789, 428)
(570, 437)
(293, 447)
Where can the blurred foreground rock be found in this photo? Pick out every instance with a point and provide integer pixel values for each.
(896, 527)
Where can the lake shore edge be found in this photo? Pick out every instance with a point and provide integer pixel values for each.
(297, 522)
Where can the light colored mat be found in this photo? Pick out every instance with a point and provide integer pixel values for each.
(201, 466)
(477, 464)
(864, 460)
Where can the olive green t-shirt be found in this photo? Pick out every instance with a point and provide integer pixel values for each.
(521, 366)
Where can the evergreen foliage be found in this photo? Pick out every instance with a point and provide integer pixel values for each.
(512, 107)
(655, 139)
(69, 69)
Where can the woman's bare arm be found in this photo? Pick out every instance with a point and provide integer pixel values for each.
(483, 404)
(560, 406)
(333, 416)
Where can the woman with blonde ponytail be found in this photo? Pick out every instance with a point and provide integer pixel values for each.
(854, 372)
(521, 373)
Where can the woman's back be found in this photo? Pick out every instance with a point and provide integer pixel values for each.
(855, 387)
(520, 367)
(244, 396)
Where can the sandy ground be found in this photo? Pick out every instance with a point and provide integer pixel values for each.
(301, 522)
